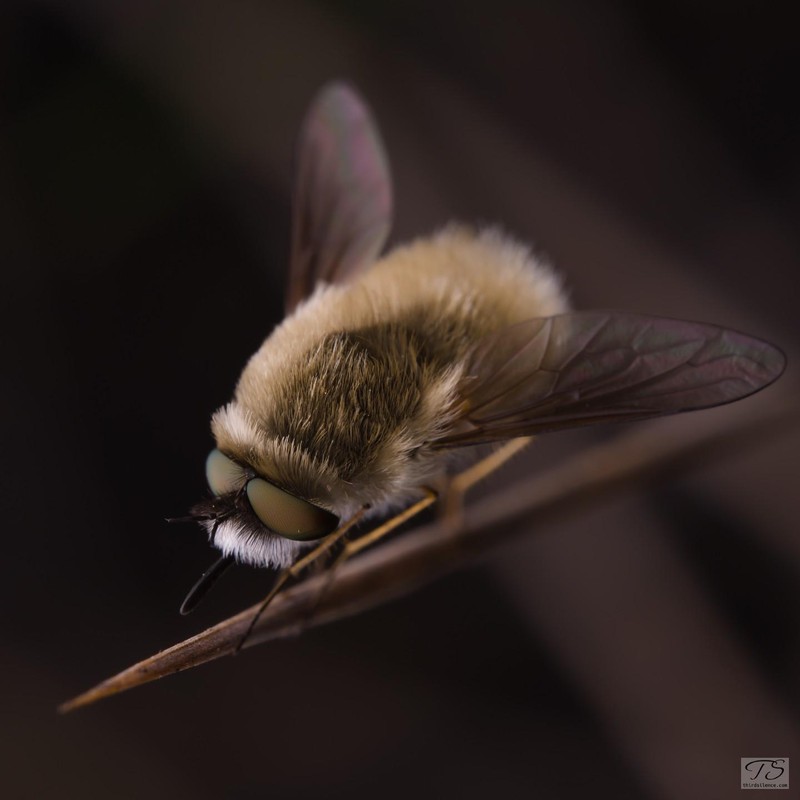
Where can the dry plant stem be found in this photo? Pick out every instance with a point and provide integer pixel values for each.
(429, 552)
(297, 569)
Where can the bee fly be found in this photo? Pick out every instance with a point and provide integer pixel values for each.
(387, 367)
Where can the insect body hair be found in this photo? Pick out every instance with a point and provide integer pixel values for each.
(340, 403)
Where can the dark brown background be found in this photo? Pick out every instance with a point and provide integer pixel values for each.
(634, 651)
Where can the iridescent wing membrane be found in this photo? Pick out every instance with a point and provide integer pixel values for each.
(541, 375)
(585, 368)
(342, 203)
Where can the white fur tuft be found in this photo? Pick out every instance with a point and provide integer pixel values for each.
(257, 549)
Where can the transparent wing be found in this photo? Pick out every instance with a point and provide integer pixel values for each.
(342, 203)
(590, 367)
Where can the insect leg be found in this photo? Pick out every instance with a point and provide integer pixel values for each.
(296, 570)
(461, 483)
(357, 545)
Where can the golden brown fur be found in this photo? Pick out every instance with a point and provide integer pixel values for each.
(340, 402)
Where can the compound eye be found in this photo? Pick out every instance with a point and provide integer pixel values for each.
(222, 474)
(287, 515)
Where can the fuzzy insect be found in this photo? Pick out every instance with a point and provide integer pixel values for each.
(387, 369)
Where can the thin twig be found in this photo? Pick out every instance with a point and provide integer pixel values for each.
(418, 557)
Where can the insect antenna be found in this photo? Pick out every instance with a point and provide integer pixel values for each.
(205, 512)
(190, 518)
